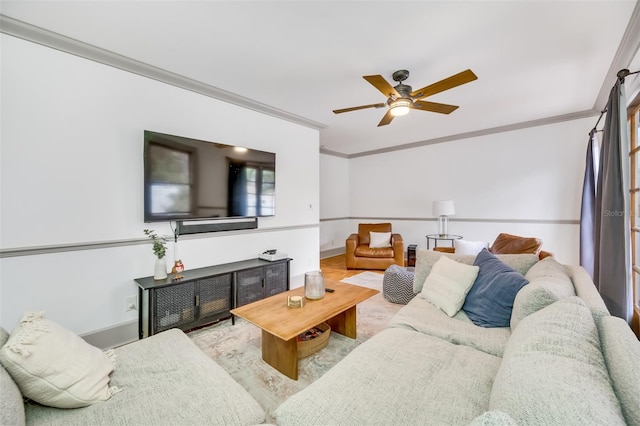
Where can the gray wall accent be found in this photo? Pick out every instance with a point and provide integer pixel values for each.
(468, 219)
(66, 44)
(57, 248)
(333, 219)
(333, 153)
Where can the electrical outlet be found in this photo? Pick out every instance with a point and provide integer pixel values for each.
(131, 303)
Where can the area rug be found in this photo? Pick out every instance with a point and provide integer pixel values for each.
(236, 348)
(366, 279)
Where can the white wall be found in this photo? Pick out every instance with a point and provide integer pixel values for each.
(71, 173)
(334, 201)
(526, 182)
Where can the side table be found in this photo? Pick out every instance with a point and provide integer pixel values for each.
(438, 237)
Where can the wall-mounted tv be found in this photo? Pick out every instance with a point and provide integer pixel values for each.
(187, 179)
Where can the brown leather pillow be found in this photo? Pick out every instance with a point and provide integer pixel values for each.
(513, 244)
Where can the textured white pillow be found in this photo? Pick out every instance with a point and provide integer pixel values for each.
(379, 239)
(470, 247)
(448, 284)
(55, 367)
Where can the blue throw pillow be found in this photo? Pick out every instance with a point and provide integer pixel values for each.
(490, 300)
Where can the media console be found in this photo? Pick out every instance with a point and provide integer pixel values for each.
(206, 295)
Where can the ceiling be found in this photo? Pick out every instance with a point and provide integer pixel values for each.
(536, 61)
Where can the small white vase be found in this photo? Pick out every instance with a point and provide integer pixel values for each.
(160, 272)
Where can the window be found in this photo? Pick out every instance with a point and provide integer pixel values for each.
(170, 180)
(634, 126)
(260, 191)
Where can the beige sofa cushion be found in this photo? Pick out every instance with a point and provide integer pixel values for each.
(11, 405)
(166, 380)
(398, 377)
(422, 316)
(621, 351)
(548, 283)
(425, 259)
(54, 366)
(553, 372)
(493, 418)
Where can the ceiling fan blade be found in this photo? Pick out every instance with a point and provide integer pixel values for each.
(382, 85)
(340, 111)
(446, 84)
(386, 119)
(434, 107)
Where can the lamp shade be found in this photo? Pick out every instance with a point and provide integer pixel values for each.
(443, 208)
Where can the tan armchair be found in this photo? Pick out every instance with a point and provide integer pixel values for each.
(359, 255)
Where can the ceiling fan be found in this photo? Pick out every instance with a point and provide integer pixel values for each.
(401, 98)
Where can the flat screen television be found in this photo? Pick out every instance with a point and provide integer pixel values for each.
(189, 179)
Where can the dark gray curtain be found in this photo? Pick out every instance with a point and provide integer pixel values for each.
(611, 268)
(587, 212)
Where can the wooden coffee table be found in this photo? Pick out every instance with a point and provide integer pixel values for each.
(281, 325)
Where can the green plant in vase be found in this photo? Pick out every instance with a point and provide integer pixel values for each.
(159, 243)
(160, 250)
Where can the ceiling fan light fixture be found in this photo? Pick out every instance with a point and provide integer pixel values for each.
(400, 106)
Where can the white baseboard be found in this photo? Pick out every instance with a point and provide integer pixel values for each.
(112, 337)
(332, 252)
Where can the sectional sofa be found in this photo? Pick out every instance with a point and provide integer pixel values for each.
(562, 360)
(161, 380)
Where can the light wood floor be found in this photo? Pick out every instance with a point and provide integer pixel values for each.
(334, 268)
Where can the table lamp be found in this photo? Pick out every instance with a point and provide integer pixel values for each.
(443, 209)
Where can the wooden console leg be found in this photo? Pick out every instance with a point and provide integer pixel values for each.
(344, 323)
(280, 354)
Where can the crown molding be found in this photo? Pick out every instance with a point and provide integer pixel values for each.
(482, 132)
(627, 50)
(32, 33)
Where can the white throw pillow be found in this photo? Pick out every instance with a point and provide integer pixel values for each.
(470, 247)
(448, 284)
(379, 239)
(55, 367)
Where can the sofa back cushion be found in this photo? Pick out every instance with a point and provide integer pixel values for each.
(11, 405)
(365, 228)
(548, 283)
(621, 351)
(553, 372)
(425, 259)
(587, 291)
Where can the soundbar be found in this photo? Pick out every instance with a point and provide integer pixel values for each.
(198, 227)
